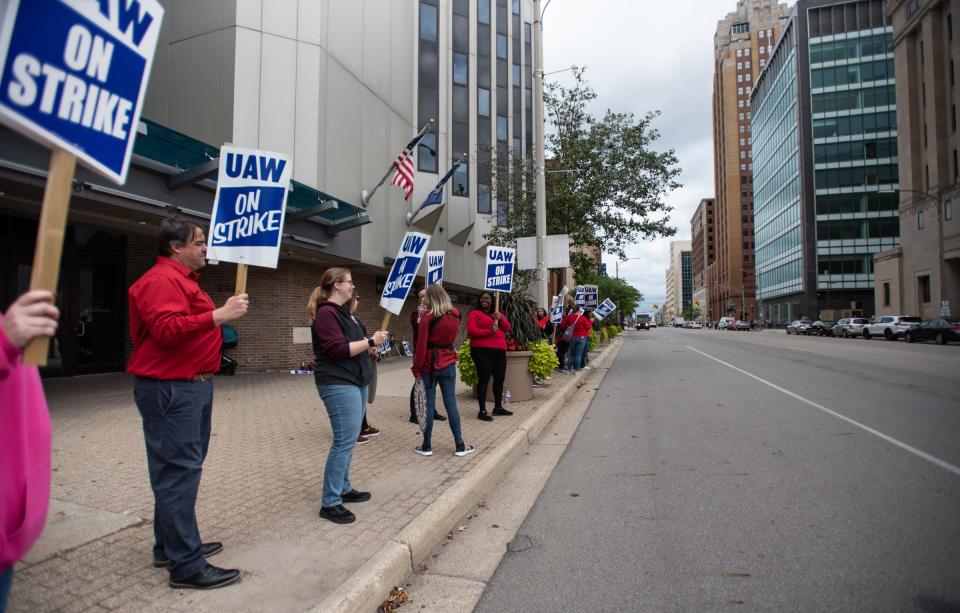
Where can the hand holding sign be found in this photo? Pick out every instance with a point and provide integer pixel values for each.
(30, 316)
(234, 308)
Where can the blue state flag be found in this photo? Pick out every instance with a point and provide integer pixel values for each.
(436, 195)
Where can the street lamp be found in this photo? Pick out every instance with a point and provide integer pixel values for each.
(617, 266)
(939, 203)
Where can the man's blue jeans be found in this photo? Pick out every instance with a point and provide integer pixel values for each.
(575, 354)
(6, 582)
(176, 430)
(447, 379)
(345, 405)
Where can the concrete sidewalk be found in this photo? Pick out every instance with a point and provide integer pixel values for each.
(259, 495)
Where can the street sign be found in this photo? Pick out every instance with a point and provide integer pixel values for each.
(435, 267)
(73, 74)
(246, 225)
(403, 272)
(500, 262)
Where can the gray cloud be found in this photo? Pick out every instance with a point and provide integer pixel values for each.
(644, 56)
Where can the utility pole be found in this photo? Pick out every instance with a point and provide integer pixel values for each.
(540, 161)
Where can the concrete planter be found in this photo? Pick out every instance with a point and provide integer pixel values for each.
(519, 379)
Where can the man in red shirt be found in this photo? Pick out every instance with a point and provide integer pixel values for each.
(175, 328)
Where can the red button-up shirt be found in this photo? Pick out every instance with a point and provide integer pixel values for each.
(171, 324)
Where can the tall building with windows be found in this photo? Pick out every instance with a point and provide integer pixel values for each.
(742, 46)
(703, 252)
(825, 156)
(342, 86)
(923, 275)
(679, 280)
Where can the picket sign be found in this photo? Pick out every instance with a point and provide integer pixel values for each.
(413, 248)
(73, 74)
(246, 225)
(435, 263)
(605, 308)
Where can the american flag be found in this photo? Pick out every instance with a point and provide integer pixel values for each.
(404, 166)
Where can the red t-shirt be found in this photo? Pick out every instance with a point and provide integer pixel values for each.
(582, 325)
(171, 324)
(444, 332)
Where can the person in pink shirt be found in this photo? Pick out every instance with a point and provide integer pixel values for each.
(24, 433)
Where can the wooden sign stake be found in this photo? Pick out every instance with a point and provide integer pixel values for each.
(496, 302)
(50, 233)
(241, 279)
(385, 322)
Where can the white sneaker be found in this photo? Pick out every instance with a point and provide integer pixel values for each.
(423, 452)
(466, 451)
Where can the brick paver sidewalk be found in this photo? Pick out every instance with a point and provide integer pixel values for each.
(260, 492)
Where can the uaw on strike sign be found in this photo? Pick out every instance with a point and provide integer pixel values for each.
(247, 221)
(500, 262)
(404, 271)
(73, 74)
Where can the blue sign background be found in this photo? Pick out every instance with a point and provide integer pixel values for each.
(435, 276)
(404, 266)
(492, 272)
(54, 19)
(271, 199)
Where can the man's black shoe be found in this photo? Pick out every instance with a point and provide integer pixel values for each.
(355, 496)
(439, 417)
(207, 579)
(208, 549)
(484, 416)
(502, 411)
(338, 514)
(413, 420)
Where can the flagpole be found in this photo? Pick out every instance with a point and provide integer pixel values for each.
(411, 214)
(365, 196)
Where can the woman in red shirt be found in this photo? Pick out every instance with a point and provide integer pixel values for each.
(581, 334)
(435, 362)
(488, 348)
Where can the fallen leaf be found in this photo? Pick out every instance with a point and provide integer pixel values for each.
(574, 494)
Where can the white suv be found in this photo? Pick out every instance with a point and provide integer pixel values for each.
(890, 326)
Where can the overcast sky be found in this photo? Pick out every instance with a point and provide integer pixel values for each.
(643, 56)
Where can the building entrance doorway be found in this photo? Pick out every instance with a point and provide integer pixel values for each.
(91, 294)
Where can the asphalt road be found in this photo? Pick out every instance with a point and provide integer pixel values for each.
(752, 471)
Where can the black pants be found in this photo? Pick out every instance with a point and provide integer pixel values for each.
(490, 362)
(562, 347)
(176, 429)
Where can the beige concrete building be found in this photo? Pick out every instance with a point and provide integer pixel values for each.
(742, 46)
(679, 280)
(923, 275)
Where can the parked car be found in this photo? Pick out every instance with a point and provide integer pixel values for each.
(742, 324)
(890, 327)
(837, 328)
(853, 327)
(696, 325)
(724, 322)
(942, 330)
(799, 326)
(732, 324)
(821, 328)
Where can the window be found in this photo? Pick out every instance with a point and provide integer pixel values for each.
(483, 11)
(948, 210)
(761, 52)
(923, 288)
(920, 220)
(746, 53)
(460, 70)
(886, 293)
(740, 104)
(748, 78)
(501, 46)
(739, 78)
(739, 52)
(427, 152)
(428, 22)
(739, 91)
(483, 199)
(483, 102)
(747, 65)
(502, 132)
(461, 180)
(761, 33)
(739, 65)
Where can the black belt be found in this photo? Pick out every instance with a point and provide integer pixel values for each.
(448, 346)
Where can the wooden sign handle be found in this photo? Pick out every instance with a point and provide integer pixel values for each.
(385, 322)
(50, 234)
(496, 302)
(241, 280)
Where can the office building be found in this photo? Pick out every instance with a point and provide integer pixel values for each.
(922, 276)
(679, 277)
(342, 86)
(825, 161)
(702, 232)
(742, 45)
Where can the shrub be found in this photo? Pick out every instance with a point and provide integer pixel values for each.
(466, 366)
(613, 331)
(543, 361)
(592, 341)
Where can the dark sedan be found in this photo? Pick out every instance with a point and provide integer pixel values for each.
(942, 330)
(821, 327)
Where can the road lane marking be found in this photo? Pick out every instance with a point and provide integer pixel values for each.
(926, 456)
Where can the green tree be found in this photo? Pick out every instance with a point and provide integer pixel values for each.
(621, 293)
(606, 183)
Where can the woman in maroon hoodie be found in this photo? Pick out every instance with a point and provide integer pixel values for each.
(488, 348)
(435, 362)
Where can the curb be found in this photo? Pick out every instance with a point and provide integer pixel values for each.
(370, 585)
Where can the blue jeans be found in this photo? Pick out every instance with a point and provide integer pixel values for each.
(345, 405)
(578, 346)
(447, 378)
(6, 582)
(176, 430)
